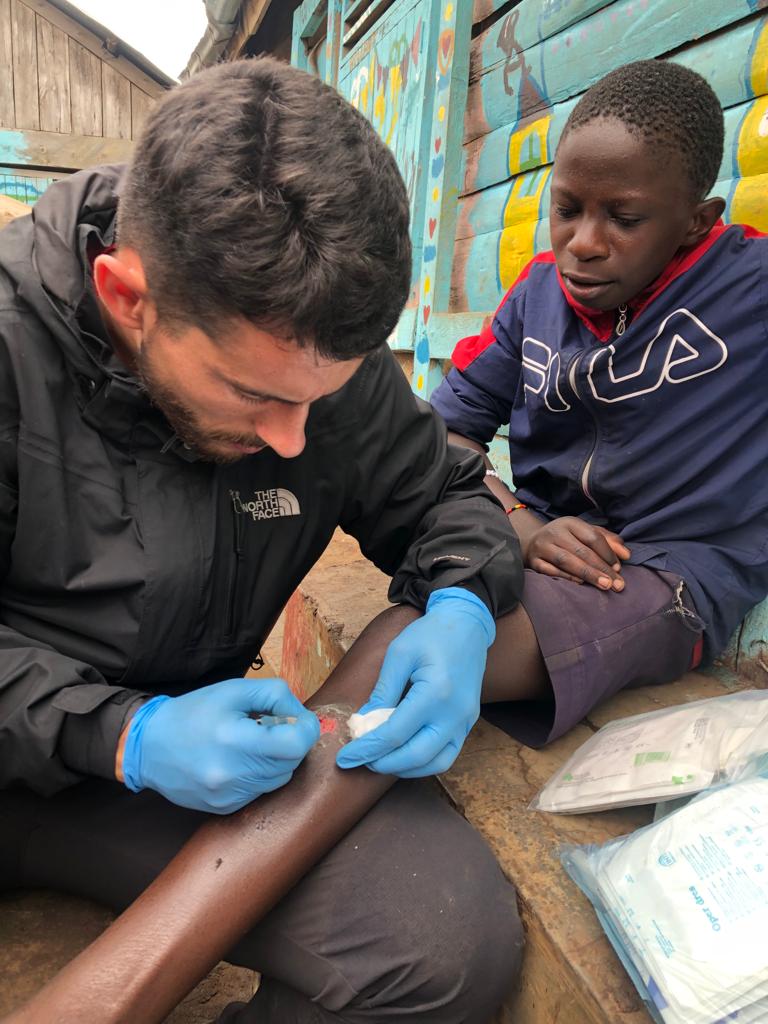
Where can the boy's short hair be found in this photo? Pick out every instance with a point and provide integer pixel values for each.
(670, 106)
(257, 192)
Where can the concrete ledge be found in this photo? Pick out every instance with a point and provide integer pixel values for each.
(570, 974)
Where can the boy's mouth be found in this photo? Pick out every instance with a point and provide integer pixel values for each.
(585, 289)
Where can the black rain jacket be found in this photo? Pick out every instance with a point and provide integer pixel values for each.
(130, 567)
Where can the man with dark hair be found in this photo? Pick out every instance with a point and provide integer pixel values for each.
(197, 391)
(629, 363)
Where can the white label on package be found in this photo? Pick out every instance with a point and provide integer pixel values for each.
(691, 895)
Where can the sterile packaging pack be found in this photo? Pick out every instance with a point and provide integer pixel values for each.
(684, 902)
(661, 755)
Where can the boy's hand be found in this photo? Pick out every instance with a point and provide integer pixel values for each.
(577, 551)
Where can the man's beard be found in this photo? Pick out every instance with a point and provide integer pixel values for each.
(183, 420)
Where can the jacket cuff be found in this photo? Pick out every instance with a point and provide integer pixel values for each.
(95, 718)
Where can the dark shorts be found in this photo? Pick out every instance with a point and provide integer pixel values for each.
(596, 643)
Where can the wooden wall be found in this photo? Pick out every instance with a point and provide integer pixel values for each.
(65, 101)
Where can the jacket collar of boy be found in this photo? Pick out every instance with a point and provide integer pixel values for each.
(603, 322)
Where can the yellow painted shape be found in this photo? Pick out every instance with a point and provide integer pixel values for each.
(533, 139)
(759, 71)
(748, 205)
(435, 194)
(448, 12)
(427, 284)
(441, 114)
(522, 213)
(420, 382)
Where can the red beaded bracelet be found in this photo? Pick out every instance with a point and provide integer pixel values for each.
(514, 508)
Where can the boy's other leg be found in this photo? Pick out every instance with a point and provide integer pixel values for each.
(569, 646)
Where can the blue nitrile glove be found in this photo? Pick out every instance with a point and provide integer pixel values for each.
(443, 655)
(201, 750)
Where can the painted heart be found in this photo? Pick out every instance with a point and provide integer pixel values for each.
(427, 310)
(432, 226)
(438, 144)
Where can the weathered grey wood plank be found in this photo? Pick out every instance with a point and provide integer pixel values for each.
(85, 87)
(59, 151)
(24, 39)
(116, 103)
(7, 112)
(53, 77)
(141, 104)
(94, 44)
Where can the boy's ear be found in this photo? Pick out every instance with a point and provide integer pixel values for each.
(121, 287)
(705, 215)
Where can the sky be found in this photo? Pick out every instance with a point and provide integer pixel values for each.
(165, 31)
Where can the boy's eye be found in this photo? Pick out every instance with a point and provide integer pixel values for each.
(565, 212)
(627, 222)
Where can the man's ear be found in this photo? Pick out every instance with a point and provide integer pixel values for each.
(705, 216)
(121, 287)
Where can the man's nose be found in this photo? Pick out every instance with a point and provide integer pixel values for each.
(588, 241)
(283, 429)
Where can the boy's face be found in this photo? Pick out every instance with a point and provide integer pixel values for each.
(619, 213)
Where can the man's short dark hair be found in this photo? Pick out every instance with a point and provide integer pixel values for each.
(257, 192)
(669, 106)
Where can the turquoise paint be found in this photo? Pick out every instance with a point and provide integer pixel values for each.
(13, 147)
(575, 58)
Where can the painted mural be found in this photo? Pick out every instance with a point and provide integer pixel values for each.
(23, 187)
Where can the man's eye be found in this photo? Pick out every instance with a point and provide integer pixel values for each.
(251, 399)
(565, 212)
(628, 222)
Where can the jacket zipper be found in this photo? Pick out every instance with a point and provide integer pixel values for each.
(584, 479)
(235, 576)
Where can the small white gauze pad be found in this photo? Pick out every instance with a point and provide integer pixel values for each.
(359, 725)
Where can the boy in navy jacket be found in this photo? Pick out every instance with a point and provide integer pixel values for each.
(630, 363)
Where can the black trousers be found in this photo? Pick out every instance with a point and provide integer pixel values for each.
(408, 919)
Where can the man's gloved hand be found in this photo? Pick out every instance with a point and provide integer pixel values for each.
(202, 750)
(443, 654)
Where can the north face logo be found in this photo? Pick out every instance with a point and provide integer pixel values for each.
(271, 504)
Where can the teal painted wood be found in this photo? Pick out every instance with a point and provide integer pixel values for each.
(528, 23)
(26, 188)
(451, 49)
(752, 657)
(307, 21)
(13, 147)
(385, 76)
(574, 59)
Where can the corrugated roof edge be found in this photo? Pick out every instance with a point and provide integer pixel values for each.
(114, 44)
(222, 21)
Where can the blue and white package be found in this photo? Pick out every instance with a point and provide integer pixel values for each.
(662, 755)
(684, 902)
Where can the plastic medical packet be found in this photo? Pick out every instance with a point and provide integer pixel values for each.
(661, 755)
(684, 902)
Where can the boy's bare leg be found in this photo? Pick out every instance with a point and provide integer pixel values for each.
(232, 871)
(515, 668)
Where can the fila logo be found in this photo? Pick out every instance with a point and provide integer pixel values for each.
(271, 504)
(682, 349)
(541, 369)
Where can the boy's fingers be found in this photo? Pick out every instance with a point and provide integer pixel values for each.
(596, 540)
(547, 569)
(617, 544)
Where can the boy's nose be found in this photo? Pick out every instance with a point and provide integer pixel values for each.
(588, 241)
(283, 430)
